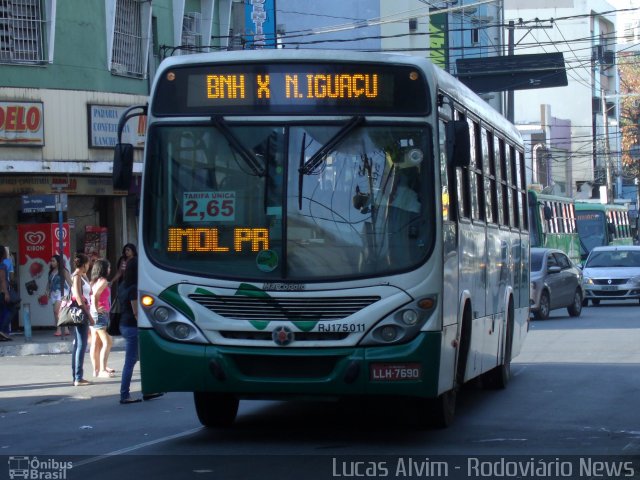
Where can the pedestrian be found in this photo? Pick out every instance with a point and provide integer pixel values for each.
(59, 277)
(129, 251)
(5, 298)
(128, 298)
(101, 341)
(8, 261)
(81, 293)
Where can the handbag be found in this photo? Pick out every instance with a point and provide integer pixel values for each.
(14, 296)
(113, 325)
(71, 314)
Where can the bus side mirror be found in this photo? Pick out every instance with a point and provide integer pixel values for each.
(548, 215)
(122, 166)
(458, 143)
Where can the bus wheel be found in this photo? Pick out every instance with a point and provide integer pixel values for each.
(443, 409)
(215, 409)
(498, 377)
(544, 307)
(575, 309)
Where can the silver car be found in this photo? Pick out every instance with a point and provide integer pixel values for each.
(612, 273)
(555, 283)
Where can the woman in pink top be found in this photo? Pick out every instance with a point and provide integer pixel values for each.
(100, 306)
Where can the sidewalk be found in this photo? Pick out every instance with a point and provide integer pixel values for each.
(43, 342)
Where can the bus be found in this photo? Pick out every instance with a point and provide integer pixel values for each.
(552, 224)
(601, 224)
(331, 225)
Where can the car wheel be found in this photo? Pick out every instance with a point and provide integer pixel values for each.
(543, 307)
(576, 307)
(595, 301)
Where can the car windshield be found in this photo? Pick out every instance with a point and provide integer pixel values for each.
(536, 261)
(613, 258)
(289, 202)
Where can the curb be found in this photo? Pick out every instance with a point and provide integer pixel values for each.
(19, 348)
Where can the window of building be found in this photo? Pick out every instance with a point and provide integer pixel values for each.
(130, 38)
(25, 31)
(191, 33)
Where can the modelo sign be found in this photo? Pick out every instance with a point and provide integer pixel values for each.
(38, 242)
(21, 124)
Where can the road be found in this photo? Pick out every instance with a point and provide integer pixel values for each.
(574, 391)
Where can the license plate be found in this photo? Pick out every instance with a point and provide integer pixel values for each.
(609, 287)
(394, 372)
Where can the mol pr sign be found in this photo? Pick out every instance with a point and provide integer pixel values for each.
(21, 124)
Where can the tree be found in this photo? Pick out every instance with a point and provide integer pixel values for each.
(629, 70)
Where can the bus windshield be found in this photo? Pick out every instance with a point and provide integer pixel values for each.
(591, 229)
(244, 201)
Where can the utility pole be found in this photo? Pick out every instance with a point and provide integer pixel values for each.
(510, 50)
(607, 159)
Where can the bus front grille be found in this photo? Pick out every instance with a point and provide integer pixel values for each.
(299, 336)
(237, 307)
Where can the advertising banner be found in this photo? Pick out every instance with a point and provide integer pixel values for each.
(37, 243)
(95, 241)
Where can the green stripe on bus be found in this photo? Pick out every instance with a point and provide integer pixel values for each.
(172, 296)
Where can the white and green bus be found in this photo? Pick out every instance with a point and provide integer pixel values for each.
(601, 224)
(552, 224)
(326, 224)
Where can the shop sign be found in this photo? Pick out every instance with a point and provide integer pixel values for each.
(103, 127)
(21, 124)
(42, 185)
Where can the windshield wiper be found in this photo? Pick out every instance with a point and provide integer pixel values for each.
(250, 159)
(318, 157)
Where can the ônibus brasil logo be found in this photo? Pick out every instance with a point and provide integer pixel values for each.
(36, 469)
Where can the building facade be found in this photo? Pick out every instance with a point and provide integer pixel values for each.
(67, 72)
(584, 31)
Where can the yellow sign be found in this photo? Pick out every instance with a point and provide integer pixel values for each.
(208, 240)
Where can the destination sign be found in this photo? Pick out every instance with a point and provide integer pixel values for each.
(347, 88)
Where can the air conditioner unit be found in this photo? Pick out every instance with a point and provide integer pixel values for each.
(596, 105)
(608, 58)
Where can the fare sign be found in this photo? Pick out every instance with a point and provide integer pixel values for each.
(209, 206)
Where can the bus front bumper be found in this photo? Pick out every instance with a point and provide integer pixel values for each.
(410, 369)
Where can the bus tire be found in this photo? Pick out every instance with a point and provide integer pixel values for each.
(464, 346)
(575, 309)
(442, 409)
(544, 307)
(498, 377)
(215, 410)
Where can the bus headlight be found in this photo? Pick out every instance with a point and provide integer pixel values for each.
(181, 330)
(168, 322)
(162, 314)
(402, 325)
(410, 317)
(388, 333)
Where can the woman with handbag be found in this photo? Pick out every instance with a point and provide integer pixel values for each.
(58, 277)
(81, 295)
